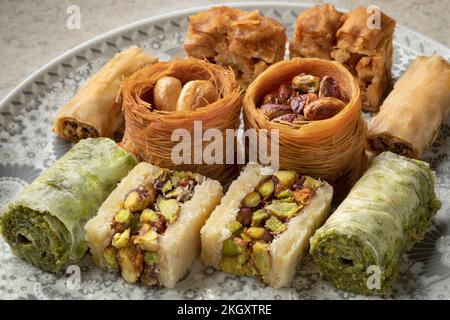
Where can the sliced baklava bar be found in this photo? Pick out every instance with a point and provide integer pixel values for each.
(364, 45)
(315, 32)
(263, 224)
(148, 229)
(244, 41)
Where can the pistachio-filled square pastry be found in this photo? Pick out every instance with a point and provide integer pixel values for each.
(148, 229)
(263, 224)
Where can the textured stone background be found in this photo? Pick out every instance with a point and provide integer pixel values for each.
(34, 32)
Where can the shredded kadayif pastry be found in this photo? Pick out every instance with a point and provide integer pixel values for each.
(244, 41)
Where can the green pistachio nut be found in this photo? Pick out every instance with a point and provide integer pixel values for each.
(169, 208)
(230, 248)
(275, 225)
(234, 227)
(167, 187)
(258, 218)
(266, 188)
(255, 233)
(151, 258)
(129, 271)
(138, 200)
(286, 178)
(284, 210)
(120, 240)
(312, 183)
(123, 216)
(261, 257)
(148, 241)
(306, 83)
(110, 258)
(251, 200)
(149, 216)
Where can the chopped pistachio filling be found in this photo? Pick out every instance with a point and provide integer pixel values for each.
(263, 215)
(145, 215)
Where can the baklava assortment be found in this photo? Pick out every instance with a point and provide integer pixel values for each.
(149, 221)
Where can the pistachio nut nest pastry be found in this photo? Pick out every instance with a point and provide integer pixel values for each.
(387, 210)
(367, 50)
(410, 117)
(95, 110)
(244, 41)
(44, 224)
(315, 106)
(263, 224)
(169, 96)
(315, 32)
(149, 227)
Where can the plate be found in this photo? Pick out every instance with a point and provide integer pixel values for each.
(28, 145)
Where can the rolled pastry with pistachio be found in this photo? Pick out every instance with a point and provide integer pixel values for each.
(359, 247)
(149, 227)
(96, 111)
(263, 224)
(410, 117)
(44, 224)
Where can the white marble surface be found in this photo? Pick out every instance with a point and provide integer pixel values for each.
(34, 32)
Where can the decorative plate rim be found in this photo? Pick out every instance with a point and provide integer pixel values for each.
(133, 25)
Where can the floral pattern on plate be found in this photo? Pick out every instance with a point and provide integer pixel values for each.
(28, 145)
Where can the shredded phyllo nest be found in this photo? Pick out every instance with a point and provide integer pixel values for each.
(264, 214)
(145, 215)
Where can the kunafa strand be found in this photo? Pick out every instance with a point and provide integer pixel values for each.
(263, 224)
(315, 106)
(44, 224)
(95, 111)
(148, 229)
(410, 117)
(172, 96)
(358, 249)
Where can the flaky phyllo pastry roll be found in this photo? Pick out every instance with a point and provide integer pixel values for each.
(359, 247)
(263, 224)
(410, 117)
(244, 41)
(367, 52)
(315, 32)
(44, 224)
(95, 111)
(148, 229)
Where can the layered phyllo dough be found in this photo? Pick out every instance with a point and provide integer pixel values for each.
(149, 227)
(263, 224)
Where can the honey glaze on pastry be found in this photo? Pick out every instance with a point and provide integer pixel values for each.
(244, 41)
(315, 32)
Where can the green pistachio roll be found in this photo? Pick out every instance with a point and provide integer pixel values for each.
(358, 249)
(44, 225)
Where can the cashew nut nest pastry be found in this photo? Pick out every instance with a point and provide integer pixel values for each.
(263, 224)
(305, 98)
(148, 229)
(244, 41)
